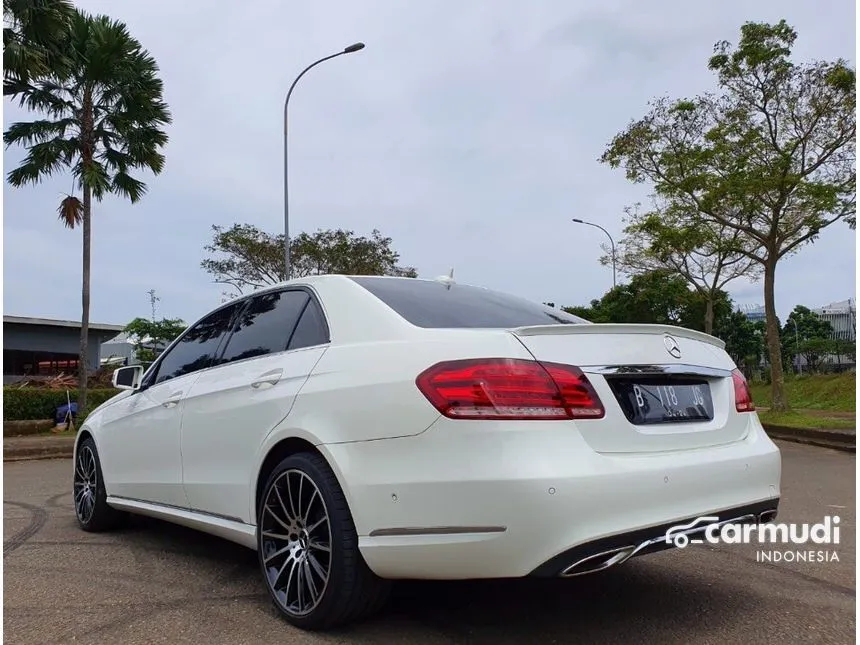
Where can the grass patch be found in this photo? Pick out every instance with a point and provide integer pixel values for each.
(795, 419)
(834, 392)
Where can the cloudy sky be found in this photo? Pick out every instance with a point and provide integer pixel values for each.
(466, 131)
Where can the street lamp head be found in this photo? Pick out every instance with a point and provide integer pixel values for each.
(578, 221)
(353, 48)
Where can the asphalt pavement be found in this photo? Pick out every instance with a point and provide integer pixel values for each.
(156, 583)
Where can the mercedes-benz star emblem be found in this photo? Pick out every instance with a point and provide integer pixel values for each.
(672, 346)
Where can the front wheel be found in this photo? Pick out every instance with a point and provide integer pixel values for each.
(308, 548)
(90, 496)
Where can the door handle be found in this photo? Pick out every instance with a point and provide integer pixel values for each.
(172, 400)
(267, 380)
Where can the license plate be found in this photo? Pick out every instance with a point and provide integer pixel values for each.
(665, 402)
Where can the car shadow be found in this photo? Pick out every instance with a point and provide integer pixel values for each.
(661, 598)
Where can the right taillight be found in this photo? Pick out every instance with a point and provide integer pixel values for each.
(743, 396)
(504, 388)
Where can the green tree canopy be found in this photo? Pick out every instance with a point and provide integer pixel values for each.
(34, 38)
(151, 337)
(744, 339)
(704, 253)
(245, 257)
(657, 297)
(771, 157)
(806, 334)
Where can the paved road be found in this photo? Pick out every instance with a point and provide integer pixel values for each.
(154, 583)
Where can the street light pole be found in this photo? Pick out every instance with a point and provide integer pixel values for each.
(347, 50)
(611, 242)
(797, 346)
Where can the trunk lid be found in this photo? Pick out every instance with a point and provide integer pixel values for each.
(663, 388)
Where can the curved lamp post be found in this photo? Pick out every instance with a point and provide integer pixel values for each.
(347, 50)
(611, 242)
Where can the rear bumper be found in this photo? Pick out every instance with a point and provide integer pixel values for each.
(467, 500)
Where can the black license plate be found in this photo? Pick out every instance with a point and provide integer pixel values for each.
(646, 401)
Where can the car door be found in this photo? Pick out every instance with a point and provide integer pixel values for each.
(139, 441)
(275, 343)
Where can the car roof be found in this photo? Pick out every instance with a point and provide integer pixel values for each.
(337, 277)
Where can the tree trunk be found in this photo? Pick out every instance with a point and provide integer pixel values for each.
(709, 314)
(774, 346)
(83, 363)
(87, 147)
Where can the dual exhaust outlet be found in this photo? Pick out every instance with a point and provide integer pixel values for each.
(606, 559)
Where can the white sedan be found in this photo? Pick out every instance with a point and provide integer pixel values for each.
(359, 430)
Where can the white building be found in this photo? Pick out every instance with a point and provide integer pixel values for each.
(752, 312)
(120, 350)
(842, 318)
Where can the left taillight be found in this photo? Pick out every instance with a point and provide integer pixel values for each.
(743, 396)
(504, 388)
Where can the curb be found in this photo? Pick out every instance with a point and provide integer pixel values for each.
(26, 428)
(833, 439)
(37, 455)
(31, 448)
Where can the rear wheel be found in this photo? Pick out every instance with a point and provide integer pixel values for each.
(308, 548)
(90, 496)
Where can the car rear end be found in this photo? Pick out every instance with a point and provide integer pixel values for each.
(569, 456)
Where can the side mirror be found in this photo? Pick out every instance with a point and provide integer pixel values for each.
(128, 378)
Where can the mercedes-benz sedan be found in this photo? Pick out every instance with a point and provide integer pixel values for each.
(360, 430)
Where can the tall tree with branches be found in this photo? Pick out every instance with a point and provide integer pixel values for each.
(771, 158)
(246, 257)
(104, 119)
(705, 253)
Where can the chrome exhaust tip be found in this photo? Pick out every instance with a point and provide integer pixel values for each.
(606, 559)
(767, 516)
(599, 561)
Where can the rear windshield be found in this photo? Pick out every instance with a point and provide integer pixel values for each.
(426, 303)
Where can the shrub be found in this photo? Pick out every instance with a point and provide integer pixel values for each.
(23, 404)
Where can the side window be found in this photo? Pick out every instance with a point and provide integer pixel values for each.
(198, 347)
(312, 329)
(264, 326)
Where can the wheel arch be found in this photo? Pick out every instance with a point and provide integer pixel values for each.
(280, 450)
(83, 434)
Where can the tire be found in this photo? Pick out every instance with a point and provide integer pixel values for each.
(89, 493)
(302, 497)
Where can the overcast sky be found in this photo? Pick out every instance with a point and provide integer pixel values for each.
(466, 131)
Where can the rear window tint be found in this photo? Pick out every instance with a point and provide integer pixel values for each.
(426, 303)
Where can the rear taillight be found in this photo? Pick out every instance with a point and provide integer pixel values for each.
(743, 396)
(504, 388)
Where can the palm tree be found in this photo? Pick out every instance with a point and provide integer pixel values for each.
(104, 119)
(33, 32)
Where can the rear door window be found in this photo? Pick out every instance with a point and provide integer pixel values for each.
(312, 329)
(265, 325)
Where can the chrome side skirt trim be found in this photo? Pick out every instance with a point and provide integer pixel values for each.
(435, 530)
(173, 507)
(230, 529)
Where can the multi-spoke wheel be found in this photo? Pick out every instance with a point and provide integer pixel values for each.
(90, 497)
(86, 483)
(296, 537)
(308, 547)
